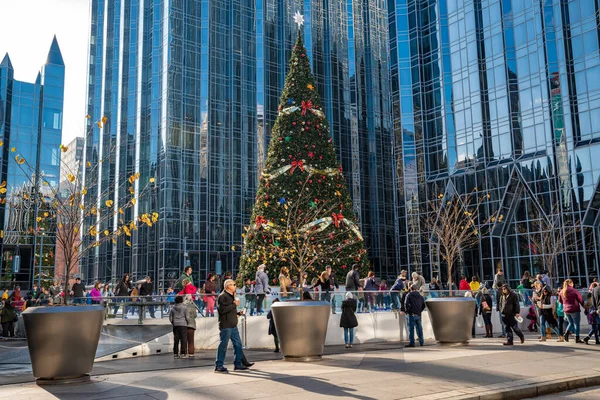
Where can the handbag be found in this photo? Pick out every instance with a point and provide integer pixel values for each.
(485, 306)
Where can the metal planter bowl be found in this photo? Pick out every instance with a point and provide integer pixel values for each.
(301, 328)
(62, 341)
(451, 318)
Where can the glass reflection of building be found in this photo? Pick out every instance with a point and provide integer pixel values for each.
(504, 97)
(191, 89)
(31, 123)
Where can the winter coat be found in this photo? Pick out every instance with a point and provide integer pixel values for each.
(509, 304)
(572, 301)
(8, 313)
(227, 311)
(179, 284)
(414, 304)
(189, 289)
(261, 285)
(398, 286)
(352, 280)
(348, 318)
(191, 314)
(464, 285)
(486, 298)
(210, 287)
(596, 297)
(419, 284)
(147, 289)
(123, 289)
(272, 329)
(95, 295)
(178, 315)
(371, 284)
(284, 283)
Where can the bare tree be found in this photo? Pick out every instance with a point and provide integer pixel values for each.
(63, 210)
(452, 226)
(550, 236)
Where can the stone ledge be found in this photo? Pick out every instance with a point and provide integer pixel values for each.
(523, 389)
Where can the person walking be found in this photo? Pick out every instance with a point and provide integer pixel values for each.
(348, 319)
(187, 274)
(485, 310)
(333, 285)
(146, 292)
(228, 315)
(8, 317)
(191, 314)
(272, 328)
(121, 293)
(474, 285)
(510, 309)
(559, 314)
(178, 318)
(261, 287)
(594, 313)
(572, 301)
(210, 295)
(78, 292)
(353, 279)
(96, 294)
(546, 311)
(499, 282)
(414, 305)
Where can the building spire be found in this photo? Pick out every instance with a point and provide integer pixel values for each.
(54, 55)
(6, 62)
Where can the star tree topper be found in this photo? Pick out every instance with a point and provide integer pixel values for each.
(299, 19)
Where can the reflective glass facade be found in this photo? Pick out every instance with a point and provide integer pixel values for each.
(31, 123)
(503, 97)
(190, 89)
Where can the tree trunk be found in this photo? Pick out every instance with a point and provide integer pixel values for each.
(66, 287)
(450, 279)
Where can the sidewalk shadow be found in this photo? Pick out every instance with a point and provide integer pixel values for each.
(99, 388)
(308, 383)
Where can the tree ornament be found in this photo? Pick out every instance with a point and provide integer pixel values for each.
(282, 201)
(288, 138)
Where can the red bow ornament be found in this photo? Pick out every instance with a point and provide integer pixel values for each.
(306, 105)
(297, 164)
(337, 219)
(260, 221)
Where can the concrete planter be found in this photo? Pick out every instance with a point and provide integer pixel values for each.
(301, 328)
(451, 318)
(62, 341)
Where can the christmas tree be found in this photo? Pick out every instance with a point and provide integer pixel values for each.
(303, 217)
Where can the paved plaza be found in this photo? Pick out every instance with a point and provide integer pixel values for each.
(370, 371)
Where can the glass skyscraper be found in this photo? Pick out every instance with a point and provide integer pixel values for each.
(502, 97)
(191, 88)
(31, 123)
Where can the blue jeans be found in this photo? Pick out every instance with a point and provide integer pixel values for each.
(543, 324)
(395, 300)
(414, 321)
(77, 300)
(574, 320)
(348, 335)
(502, 325)
(224, 336)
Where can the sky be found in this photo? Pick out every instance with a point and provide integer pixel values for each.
(26, 31)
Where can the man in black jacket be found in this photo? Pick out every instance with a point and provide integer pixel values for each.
(146, 292)
(78, 292)
(510, 309)
(333, 284)
(227, 307)
(353, 279)
(414, 305)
